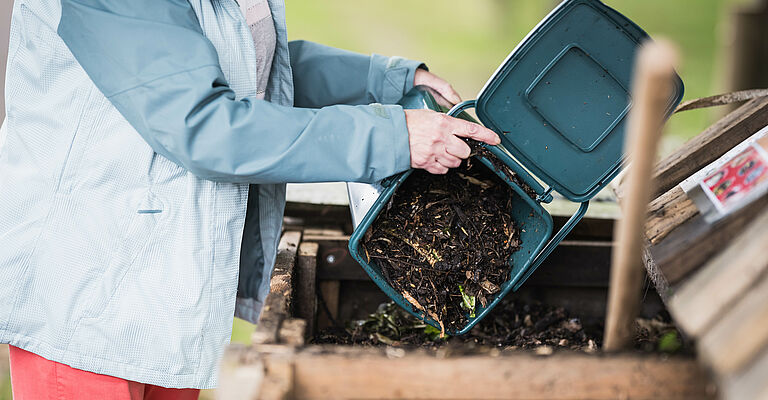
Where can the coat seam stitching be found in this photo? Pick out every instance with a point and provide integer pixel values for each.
(161, 77)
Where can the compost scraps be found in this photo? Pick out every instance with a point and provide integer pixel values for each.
(444, 241)
(513, 324)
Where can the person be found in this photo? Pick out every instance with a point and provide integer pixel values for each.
(143, 178)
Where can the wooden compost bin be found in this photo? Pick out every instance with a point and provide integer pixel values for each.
(714, 277)
(312, 258)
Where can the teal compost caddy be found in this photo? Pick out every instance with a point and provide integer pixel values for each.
(559, 102)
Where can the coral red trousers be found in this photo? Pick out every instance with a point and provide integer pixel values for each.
(35, 378)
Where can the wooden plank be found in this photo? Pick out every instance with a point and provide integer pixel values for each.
(292, 332)
(739, 335)
(329, 290)
(704, 298)
(320, 238)
(522, 375)
(322, 234)
(655, 274)
(711, 144)
(278, 379)
(241, 373)
(667, 212)
(277, 306)
(305, 298)
(693, 243)
(749, 383)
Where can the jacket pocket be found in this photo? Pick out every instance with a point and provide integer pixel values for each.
(148, 317)
(138, 233)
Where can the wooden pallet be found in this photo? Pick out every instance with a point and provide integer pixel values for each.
(279, 366)
(714, 277)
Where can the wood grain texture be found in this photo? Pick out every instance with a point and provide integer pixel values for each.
(277, 306)
(521, 376)
(710, 144)
(749, 383)
(651, 88)
(695, 242)
(739, 335)
(278, 379)
(667, 212)
(655, 274)
(305, 297)
(293, 332)
(707, 296)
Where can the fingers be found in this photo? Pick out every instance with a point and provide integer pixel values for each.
(424, 77)
(446, 90)
(437, 169)
(448, 160)
(434, 140)
(456, 147)
(474, 131)
(442, 101)
(449, 93)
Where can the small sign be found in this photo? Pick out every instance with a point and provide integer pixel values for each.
(733, 181)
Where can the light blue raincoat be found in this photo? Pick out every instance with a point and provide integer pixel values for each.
(133, 134)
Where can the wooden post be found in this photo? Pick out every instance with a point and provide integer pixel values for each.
(305, 304)
(748, 46)
(652, 88)
(277, 306)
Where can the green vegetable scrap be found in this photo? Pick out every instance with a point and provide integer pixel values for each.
(670, 342)
(467, 302)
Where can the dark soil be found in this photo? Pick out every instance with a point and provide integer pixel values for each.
(513, 324)
(444, 241)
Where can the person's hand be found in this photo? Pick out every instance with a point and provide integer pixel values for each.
(447, 96)
(434, 139)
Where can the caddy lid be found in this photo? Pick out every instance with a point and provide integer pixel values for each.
(560, 99)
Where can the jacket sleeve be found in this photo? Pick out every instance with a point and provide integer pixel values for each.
(325, 75)
(152, 61)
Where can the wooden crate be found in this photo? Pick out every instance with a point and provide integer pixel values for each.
(714, 277)
(280, 366)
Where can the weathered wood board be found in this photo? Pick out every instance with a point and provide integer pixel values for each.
(394, 374)
(305, 298)
(282, 368)
(714, 277)
(695, 242)
(711, 144)
(278, 303)
(700, 301)
(740, 334)
(667, 212)
(678, 239)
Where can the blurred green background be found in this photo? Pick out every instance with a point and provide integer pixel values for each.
(465, 41)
